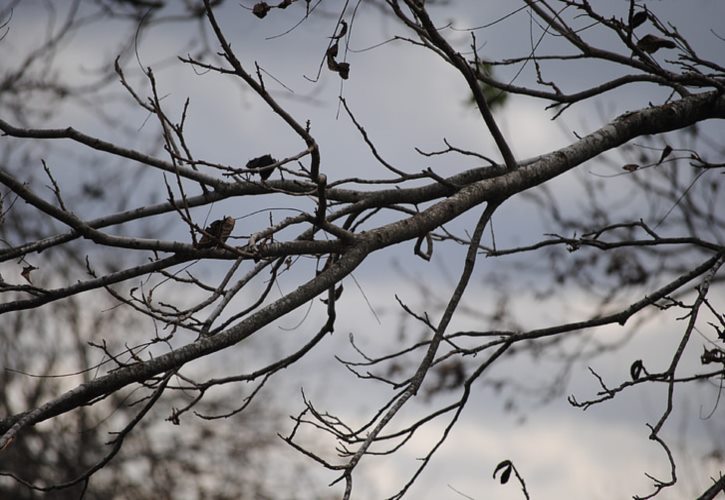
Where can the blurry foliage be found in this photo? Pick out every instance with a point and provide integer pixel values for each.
(496, 98)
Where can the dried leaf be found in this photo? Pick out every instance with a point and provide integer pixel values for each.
(261, 9)
(652, 43)
(331, 53)
(26, 272)
(665, 153)
(636, 369)
(713, 355)
(343, 30)
(630, 167)
(506, 466)
(428, 253)
(343, 69)
(638, 19)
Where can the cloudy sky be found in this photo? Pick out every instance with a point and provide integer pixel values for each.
(407, 98)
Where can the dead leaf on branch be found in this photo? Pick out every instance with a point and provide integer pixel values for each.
(637, 369)
(343, 31)
(331, 53)
(341, 68)
(638, 19)
(665, 153)
(714, 355)
(261, 9)
(428, 253)
(26, 272)
(505, 467)
(630, 167)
